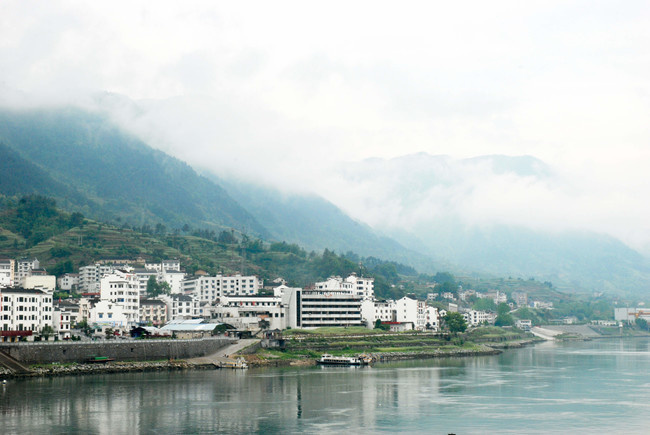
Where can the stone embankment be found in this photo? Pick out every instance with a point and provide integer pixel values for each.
(103, 368)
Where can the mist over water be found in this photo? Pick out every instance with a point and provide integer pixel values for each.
(548, 388)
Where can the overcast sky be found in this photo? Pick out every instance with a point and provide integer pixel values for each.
(284, 91)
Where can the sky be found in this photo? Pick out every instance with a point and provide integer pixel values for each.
(292, 94)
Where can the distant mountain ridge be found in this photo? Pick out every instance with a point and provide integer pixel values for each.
(90, 165)
(420, 200)
(314, 223)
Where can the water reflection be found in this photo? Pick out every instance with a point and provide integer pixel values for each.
(546, 388)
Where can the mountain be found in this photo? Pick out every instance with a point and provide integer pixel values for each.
(90, 165)
(474, 214)
(315, 223)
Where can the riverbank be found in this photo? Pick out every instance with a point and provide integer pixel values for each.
(303, 349)
(74, 369)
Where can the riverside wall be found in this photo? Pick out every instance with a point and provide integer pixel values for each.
(120, 350)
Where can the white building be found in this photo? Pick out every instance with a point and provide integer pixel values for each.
(165, 265)
(153, 311)
(47, 283)
(24, 312)
(7, 274)
(359, 286)
(68, 281)
(174, 278)
(208, 289)
(411, 310)
(319, 308)
(245, 312)
(106, 313)
(181, 306)
(91, 275)
(475, 318)
(121, 288)
(64, 317)
(524, 324)
(25, 267)
(432, 318)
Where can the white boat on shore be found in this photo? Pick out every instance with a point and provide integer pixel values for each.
(327, 359)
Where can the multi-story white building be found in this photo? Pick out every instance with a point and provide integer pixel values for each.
(181, 307)
(630, 315)
(24, 312)
(91, 275)
(165, 265)
(121, 288)
(411, 310)
(153, 311)
(142, 276)
(25, 267)
(64, 317)
(359, 286)
(432, 318)
(318, 308)
(245, 312)
(208, 289)
(174, 278)
(7, 274)
(68, 281)
(475, 318)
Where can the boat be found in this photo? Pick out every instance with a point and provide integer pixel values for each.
(327, 359)
(239, 363)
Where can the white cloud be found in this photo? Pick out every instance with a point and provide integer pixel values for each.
(282, 91)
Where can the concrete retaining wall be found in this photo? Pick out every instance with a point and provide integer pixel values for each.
(120, 350)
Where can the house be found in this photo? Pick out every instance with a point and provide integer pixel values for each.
(68, 281)
(313, 308)
(189, 328)
(524, 324)
(153, 311)
(24, 312)
(246, 312)
(208, 289)
(411, 310)
(120, 288)
(181, 306)
(359, 286)
(25, 267)
(7, 274)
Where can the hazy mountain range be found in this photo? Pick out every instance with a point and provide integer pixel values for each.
(411, 209)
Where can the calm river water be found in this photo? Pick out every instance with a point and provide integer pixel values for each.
(586, 387)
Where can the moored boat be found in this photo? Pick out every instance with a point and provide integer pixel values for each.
(327, 359)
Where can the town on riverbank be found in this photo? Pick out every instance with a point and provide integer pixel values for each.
(81, 304)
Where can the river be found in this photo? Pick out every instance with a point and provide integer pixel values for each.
(600, 386)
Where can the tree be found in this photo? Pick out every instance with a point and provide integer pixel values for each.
(503, 316)
(155, 288)
(109, 332)
(379, 325)
(46, 332)
(264, 324)
(641, 323)
(455, 322)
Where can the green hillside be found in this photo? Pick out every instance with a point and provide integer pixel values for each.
(90, 166)
(34, 227)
